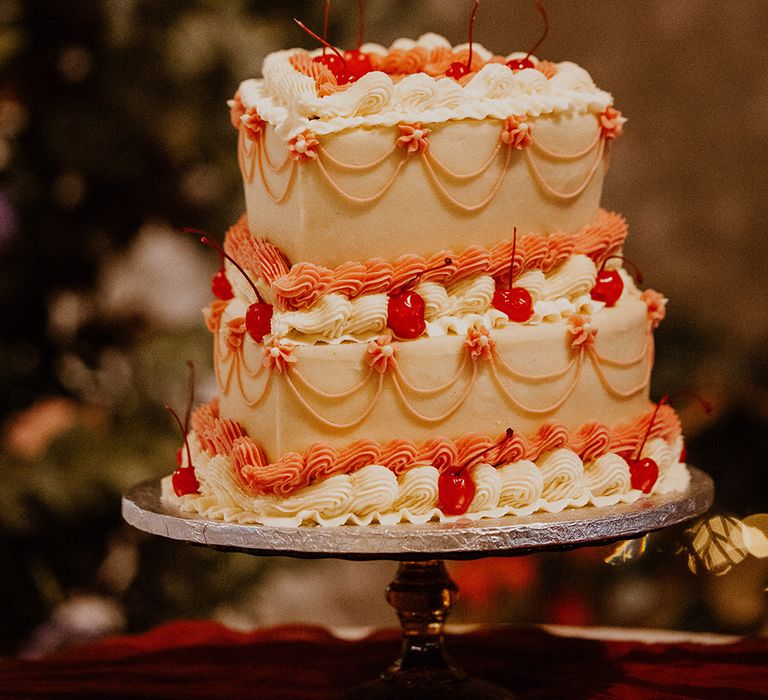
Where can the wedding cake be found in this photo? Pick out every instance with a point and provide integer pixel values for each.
(424, 314)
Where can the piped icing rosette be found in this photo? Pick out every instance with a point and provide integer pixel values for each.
(401, 90)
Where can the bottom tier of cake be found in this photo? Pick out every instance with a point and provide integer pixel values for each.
(395, 482)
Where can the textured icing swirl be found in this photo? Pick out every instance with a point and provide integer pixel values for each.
(402, 89)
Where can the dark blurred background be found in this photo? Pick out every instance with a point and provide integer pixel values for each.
(114, 133)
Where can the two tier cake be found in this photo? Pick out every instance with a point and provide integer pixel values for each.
(424, 313)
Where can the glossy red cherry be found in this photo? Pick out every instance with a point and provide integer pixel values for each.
(515, 302)
(455, 492)
(517, 64)
(405, 314)
(643, 473)
(608, 287)
(457, 70)
(258, 320)
(184, 481)
(336, 64)
(258, 317)
(220, 285)
(358, 64)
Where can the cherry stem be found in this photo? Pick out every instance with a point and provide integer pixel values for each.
(638, 275)
(191, 401)
(323, 42)
(471, 32)
(706, 405)
(508, 433)
(325, 21)
(540, 9)
(218, 248)
(662, 401)
(418, 275)
(512, 262)
(183, 432)
(360, 22)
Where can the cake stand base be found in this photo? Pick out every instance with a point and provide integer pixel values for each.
(422, 592)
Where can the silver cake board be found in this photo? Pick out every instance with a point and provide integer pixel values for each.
(464, 539)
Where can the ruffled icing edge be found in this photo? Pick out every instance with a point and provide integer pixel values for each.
(289, 100)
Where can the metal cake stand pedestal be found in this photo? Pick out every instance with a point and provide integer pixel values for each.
(422, 591)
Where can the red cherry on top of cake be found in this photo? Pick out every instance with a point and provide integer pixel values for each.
(258, 317)
(516, 64)
(405, 308)
(220, 285)
(455, 487)
(516, 302)
(183, 479)
(644, 472)
(608, 284)
(457, 69)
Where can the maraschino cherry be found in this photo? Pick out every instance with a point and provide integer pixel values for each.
(183, 478)
(335, 61)
(516, 302)
(258, 317)
(517, 64)
(455, 487)
(405, 308)
(220, 285)
(608, 283)
(358, 63)
(645, 472)
(457, 69)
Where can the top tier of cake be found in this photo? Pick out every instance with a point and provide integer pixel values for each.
(406, 159)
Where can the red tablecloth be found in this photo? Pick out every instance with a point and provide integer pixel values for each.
(207, 660)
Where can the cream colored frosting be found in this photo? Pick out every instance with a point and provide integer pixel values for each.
(288, 100)
(374, 494)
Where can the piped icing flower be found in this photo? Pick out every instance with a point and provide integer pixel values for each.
(254, 124)
(236, 110)
(413, 137)
(611, 123)
(479, 343)
(657, 306)
(212, 314)
(278, 355)
(581, 330)
(303, 146)
(517, 132)
(235, 333)
(381, 353)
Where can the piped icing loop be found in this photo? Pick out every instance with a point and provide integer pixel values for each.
(414, 138)
(517, 132)
(235, 334)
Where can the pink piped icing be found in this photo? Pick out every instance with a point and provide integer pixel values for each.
(611, 123)
(293, 470)
(582, 331)
(381, 354)
(303, 147)
(278, 355)
(414, 138)
(479, 343)
(300, 285)
(213, 313)
(657, 306)
(235, 333)
(517, 132)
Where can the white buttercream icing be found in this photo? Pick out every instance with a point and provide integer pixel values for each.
(288, 99)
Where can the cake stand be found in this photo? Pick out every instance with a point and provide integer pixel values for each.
(422, 591)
